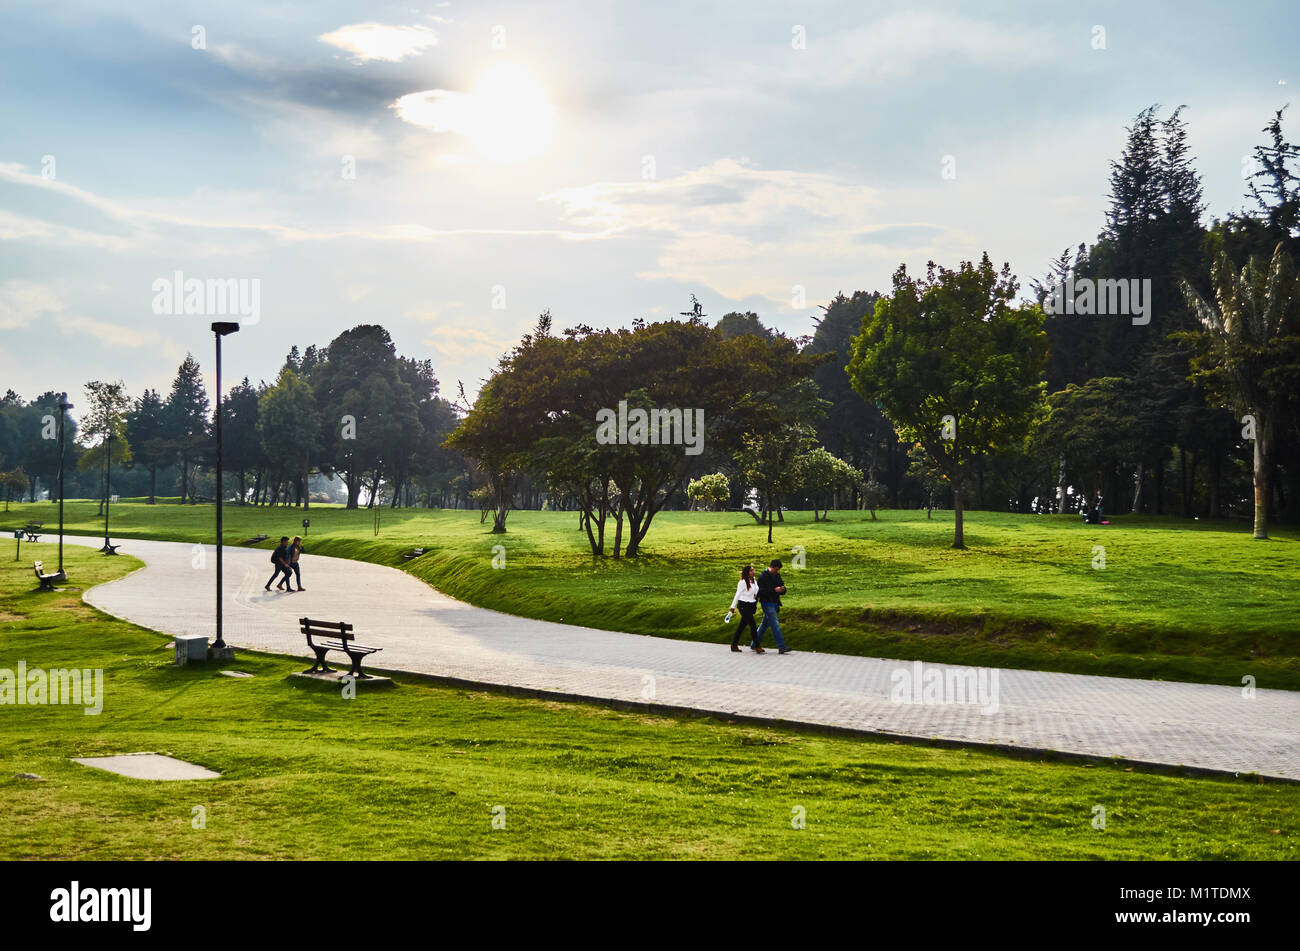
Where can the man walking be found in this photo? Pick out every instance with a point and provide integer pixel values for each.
(770, 589)
(280, 558)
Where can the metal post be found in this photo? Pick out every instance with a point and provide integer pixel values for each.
(108, 488)
(220, 329)
(219, 642)
(64, 406)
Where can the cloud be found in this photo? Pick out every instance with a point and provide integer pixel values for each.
(22, 302)
(739, 229)
(900, 236)
(371, 41)
(110, 334)
(902, 44)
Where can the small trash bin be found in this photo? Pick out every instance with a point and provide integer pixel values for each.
(191, 649)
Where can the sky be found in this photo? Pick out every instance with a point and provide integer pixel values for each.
(451, 170)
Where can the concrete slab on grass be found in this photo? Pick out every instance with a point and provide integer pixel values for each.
(147, 766)
(368, 682)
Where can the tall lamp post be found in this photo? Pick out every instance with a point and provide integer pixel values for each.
(108, 488)
(64, 406)
(220, 329)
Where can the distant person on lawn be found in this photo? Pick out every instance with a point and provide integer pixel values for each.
(770, 589)
(280, 558)
(295, 550)
(747, 600)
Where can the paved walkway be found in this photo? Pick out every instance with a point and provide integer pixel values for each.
(424, 631)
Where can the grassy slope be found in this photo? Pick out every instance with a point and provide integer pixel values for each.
(1177, 600)
(414, 773)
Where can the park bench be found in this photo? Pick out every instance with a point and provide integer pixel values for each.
(414, 553)
(48, 581)
(33, 531)
(344, 642)
(111, 549)
(255, 539)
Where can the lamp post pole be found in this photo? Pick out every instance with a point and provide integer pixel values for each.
(108, 488)
(220, 329)
(64, 406)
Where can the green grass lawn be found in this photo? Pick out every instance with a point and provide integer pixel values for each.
(415, 772)
(1177, 600)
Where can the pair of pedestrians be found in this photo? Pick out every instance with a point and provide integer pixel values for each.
(285, 558)
(751, 593)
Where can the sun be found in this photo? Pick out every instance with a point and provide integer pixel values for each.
(510, 119)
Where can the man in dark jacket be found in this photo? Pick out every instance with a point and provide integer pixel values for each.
(770, 589)
(280, 558)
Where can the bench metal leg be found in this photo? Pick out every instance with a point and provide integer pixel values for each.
(356, 666)
(321, 667)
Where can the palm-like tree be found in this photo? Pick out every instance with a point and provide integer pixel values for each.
(1255, 309)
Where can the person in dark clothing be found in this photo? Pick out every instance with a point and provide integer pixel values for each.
(770, 589)
(280, 558)
(746, 600)
(1093, 514)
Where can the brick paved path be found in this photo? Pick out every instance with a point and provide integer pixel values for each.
(423, 631)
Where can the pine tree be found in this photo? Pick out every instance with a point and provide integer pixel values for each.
(187, 419)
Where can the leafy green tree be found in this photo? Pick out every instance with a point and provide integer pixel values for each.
(15, 483)
(1253, 349)
(1094, 429)
(43, 454)
(287, 424)
(852, 429)
(955, 365)
(770, 461)
(242, 443)
(369, 420)
(931, 479)
(712, 490)
(104, 421)
(823, 477)
(735, 323)
(147, 430)
(873, 495)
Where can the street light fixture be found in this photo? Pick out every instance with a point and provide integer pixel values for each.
(64, 406)
(220, 329)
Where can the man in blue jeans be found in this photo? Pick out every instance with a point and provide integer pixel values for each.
(770, 589)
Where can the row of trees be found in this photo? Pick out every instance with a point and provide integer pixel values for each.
(355, 411)
(1147, 414)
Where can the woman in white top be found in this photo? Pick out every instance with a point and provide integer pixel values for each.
(747, 600)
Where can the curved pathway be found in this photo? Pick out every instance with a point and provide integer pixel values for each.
(426, 632)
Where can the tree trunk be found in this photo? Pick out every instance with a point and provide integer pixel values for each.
(1137, 490)
(1263, 445)
(1216, 470)
(958, 535)
(1160, 487)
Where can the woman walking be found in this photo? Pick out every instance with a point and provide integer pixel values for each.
(294, 551)
(746, 600)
